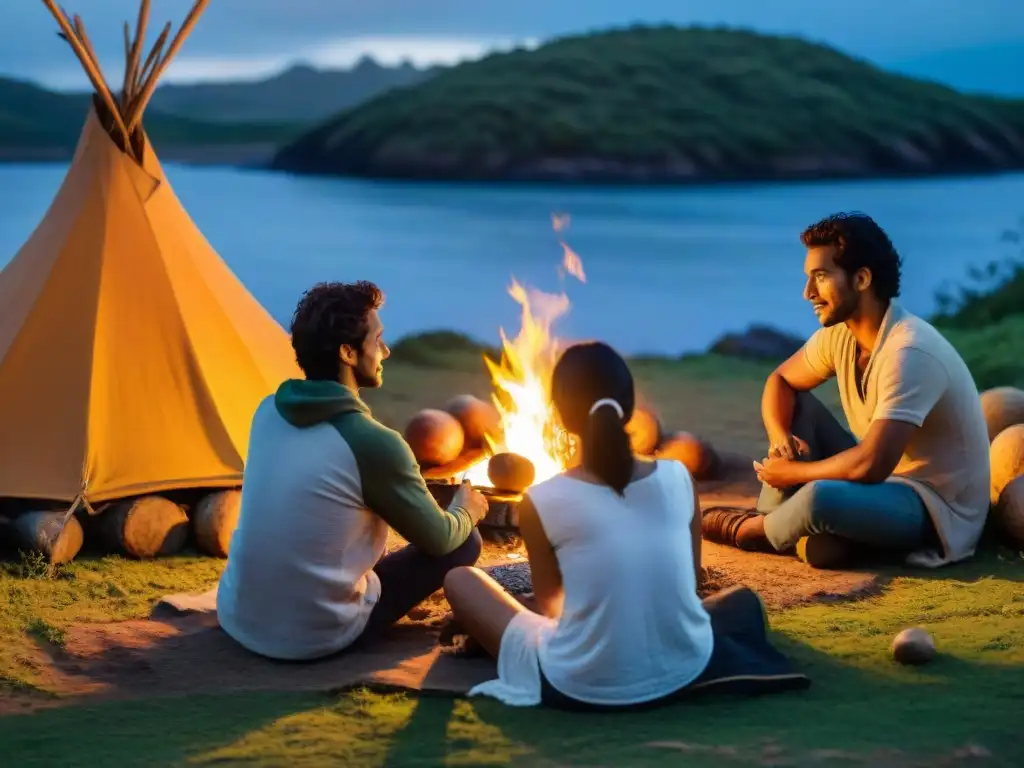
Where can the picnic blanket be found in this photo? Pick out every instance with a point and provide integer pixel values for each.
(180, 648)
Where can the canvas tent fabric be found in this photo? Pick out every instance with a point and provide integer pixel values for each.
(131, 357)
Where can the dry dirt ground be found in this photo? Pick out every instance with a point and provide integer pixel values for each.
(172, 652)
(182, 651)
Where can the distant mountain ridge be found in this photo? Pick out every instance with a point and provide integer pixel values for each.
(205, 120)
(37, 124)
(301, 93)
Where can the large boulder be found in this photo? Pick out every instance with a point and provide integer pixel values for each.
(1006, 455)
(1003, 407)
(435, 436)
(757, 342)
(644, 430)
(479, 419)
(697, 455)
(1009, 514)
(510, 472)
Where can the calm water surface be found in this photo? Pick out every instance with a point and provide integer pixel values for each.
(668, 270)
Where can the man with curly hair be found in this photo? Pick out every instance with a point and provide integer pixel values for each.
(324, 481)
(912, 479)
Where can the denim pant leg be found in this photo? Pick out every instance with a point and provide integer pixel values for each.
(408, 577)
(884, 516)
(825, 436)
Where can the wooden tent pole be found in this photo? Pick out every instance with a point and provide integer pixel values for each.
(131, 68)
(143, 74)
(158, 70)
(90, 70)
(79, 28)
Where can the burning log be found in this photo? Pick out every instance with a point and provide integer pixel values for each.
(644, 431)
(214, 520)
(149, 526)
(511, 472)
(479, 419)
(50, 534)
(697, 455)
(436, 437)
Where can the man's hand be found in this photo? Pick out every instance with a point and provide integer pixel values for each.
(470, 499)
(788, 447)
(776, 472)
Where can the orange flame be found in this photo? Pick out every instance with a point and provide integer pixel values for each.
(571, 262)
(522, 378)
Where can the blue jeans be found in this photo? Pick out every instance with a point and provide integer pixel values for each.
(882, 516)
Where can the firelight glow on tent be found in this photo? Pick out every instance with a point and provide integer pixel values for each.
(131, 357)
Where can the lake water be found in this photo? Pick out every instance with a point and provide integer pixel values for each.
(668, 270)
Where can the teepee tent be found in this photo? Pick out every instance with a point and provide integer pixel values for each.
(131, 358)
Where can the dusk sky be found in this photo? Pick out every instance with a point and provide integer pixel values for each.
(243, 38)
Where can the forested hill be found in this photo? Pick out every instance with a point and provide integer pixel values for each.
(665, 104)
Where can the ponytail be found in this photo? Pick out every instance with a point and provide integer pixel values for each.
(607, 452)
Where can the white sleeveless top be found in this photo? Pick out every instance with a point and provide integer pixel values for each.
(632, 627)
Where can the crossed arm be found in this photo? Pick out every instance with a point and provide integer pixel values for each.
(909, 385)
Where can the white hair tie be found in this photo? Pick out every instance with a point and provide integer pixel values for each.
(609, 401)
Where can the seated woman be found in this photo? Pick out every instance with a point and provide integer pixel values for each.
(614, 550)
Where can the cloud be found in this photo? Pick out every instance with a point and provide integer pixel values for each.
(239, 37)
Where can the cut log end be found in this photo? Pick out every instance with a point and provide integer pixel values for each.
(49, 534)
(142, 528)
(214, 521)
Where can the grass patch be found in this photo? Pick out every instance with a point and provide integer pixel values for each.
(35, 606)
(862, 709)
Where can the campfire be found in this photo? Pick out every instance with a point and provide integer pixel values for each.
(528, 425)
(514, 440)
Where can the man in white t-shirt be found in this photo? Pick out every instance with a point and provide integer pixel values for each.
(912, 479)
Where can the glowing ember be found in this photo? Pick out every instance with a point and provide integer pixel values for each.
(522, 378)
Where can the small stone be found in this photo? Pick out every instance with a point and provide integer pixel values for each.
(913, 646)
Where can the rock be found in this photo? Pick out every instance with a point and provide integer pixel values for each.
(1006, 455)
(757, 342)
(1003, 407)
(214, 521)
(510, 472)
(644, 431)
(1008, 514)
(515, 578)
(52, 534)
(479, 419)
(435, 436)
(697, 455)
(913, 646)
(145, 527)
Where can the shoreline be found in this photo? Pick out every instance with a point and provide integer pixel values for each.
(260, 157)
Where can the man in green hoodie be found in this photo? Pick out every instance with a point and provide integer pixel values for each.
(324, 481)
